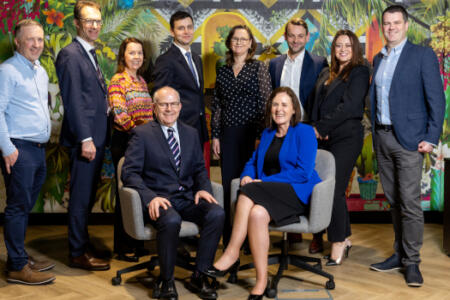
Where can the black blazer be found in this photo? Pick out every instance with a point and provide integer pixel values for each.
(343, 100)
(84, 99)
(172, 69)
(149, 165)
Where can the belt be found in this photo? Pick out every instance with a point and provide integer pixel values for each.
(384, 127)
(20, 141)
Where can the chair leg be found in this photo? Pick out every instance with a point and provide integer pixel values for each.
(149, 265)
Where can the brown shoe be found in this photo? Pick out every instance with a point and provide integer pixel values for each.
(29, 276)
(40, 265)
(316, 244)
(88, 262)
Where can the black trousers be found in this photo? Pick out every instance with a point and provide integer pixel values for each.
(345, 143)
(236, 146)
(123, 243)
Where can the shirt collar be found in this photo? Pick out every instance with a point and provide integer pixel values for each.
(183, 51)
(396, 50)
(85, 44)
(298, 58)
(26, 62)
(174, 127)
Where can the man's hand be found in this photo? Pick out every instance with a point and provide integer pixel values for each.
(10, 160)
(425, 147)
(318, 136)
(88, 150)
(204, 195)
(216, 147)
(155, 204)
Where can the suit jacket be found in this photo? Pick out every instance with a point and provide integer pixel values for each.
(312, 65)
(172, 69)
(297, 160)
(149, 165)
(84, 98)
(416, 97)
(343, 101)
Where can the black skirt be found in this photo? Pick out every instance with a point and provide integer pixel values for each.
(279, 199)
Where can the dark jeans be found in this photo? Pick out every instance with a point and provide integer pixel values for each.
(23, 185)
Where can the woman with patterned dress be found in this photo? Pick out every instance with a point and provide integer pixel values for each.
(131, 105)
(241, 91)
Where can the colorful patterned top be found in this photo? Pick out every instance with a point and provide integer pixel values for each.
(130, 101)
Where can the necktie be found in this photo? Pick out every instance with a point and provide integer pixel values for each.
(191, 66)
(97, 67)
(174, 148)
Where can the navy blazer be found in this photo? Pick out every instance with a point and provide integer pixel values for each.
(84, 99)
(312, 65)
(297, 160)
(149, 165)
(416, 97)
(172, 69)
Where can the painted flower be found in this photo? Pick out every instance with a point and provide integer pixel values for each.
(54, 17)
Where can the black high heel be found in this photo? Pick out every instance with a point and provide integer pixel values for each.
(255, 297)
(214, 273)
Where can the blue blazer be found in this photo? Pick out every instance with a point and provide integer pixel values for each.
(84, 99)
(416, 98)
(297, 160)
(312, 65)
(149, 165)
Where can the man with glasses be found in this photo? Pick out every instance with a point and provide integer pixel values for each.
(181, 69)
(84, 129)
(164, 163)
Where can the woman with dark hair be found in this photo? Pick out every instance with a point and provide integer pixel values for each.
(241, 91)
(276, 185)
(335, 108)
(131, 105)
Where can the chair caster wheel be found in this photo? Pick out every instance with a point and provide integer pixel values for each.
(116, 280)
(271, 293)
(232, 278)
(330, 285)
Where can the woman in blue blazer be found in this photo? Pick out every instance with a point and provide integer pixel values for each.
(276, 185)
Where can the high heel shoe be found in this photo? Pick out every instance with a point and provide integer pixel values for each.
(214, 273)
(255, 297)
(345, 253)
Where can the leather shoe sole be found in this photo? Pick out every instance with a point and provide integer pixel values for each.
(89, 268)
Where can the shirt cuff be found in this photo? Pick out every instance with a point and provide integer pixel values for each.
(87, 139)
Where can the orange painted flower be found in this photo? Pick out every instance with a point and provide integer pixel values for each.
(54, 17)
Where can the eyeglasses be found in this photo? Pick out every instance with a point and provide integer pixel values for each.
(91, 22)
(167, 104)
(239, 40)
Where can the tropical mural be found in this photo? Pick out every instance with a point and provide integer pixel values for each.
(148, 20)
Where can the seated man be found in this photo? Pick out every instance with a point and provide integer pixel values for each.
(164, 163)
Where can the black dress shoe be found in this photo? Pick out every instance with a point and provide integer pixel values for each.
(168, 290)
(392, 263)
(413, 277)
(213, 272)
(199, 284)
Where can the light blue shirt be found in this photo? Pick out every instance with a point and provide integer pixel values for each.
(23, 103)
(175, 133)
(383, 80)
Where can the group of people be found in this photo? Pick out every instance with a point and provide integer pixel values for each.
(302, 103)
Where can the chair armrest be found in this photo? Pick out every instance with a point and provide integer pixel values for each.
(321, 205)
(132, 213)
(234, 188)
(217, 190)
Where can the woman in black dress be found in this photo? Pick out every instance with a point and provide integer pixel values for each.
(335, 110)
(276, 185)
(241, 91)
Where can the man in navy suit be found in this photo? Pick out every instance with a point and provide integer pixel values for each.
(164, 163)
(407, 109)
(298, 69)
(181, 69)
(84, 128)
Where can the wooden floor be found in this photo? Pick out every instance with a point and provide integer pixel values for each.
(354, 280)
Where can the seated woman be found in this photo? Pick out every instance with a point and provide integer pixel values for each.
(276, 185)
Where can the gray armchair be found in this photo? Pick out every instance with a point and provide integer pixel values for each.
(319, 218)
(133, 222)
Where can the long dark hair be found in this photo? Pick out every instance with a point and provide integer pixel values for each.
(296, 117)
(251, 50)
(121, 56)
(357, 56)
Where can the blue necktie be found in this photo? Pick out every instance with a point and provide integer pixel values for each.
(191, 66)
(174, 148)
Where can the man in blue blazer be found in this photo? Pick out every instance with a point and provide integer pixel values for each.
(298, 69)
(164, 163)
(181, 69)
(84, 127)
(407, 110)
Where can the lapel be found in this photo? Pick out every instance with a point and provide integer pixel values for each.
(198, 66)
(402, 62)
(164, 145)
(182, 60)
(184, 146)
(331, 87)
(89, 62)
(279, 69)
(305, 76)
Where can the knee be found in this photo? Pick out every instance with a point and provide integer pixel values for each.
(170, 222)
(259, 214)
(216, 214)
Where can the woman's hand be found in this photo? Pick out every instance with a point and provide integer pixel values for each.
(245, 180)
(216, 147)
